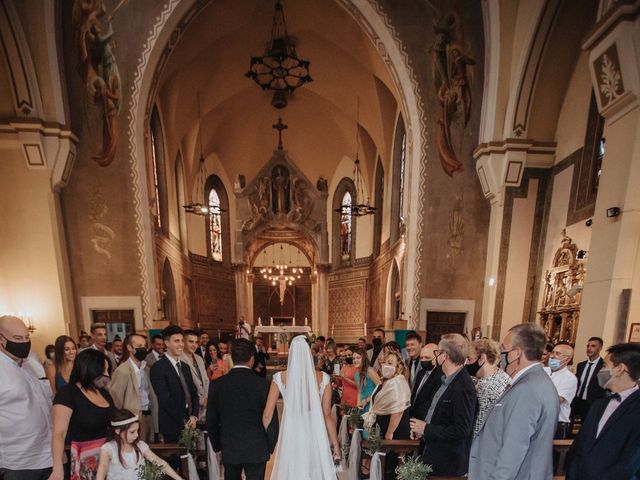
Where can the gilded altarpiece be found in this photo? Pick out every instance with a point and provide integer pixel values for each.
(560, 311)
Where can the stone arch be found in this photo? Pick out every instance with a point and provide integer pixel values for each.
(172, 21)
(393, 304)
(168, 294)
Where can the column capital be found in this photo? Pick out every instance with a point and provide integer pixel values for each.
(614, 48)
(501, 164)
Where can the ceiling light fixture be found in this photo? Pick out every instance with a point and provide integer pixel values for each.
(279, 69)
(196, 207)
(357, 209)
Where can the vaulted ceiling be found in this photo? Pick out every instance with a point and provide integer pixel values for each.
(237, 117)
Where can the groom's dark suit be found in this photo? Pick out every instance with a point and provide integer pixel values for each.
(234, 423)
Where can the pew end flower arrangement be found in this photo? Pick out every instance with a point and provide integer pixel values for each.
(412, 468)
(150, 471)
(188, 439)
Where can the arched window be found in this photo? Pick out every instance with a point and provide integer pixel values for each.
(215, 226)
(345, 227)
(181, 201)
(399, 170)
(377, 217)
(159, 173)
(343, 237)
(218, 236)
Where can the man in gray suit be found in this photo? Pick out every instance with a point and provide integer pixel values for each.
(516, 440)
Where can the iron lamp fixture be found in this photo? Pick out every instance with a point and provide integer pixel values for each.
(613, 212)
(279, 69)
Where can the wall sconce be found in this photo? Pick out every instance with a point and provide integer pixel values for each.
(613, 212)
(492, 282)
(582, 255)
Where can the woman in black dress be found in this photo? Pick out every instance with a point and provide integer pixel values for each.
(81, 414)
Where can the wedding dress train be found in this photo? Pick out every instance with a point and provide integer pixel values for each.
(303, 451)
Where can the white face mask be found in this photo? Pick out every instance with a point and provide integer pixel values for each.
(388, 371)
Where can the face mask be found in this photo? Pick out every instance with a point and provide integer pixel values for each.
(439, 364)
(52, 355)
(18, 349)
(504, 360)
(376, 342)
(554, 364)
(102, 382)
(426, 365)
(348, 360)
(473, 368)
(604, 377)
(141, 353)
(388, 371)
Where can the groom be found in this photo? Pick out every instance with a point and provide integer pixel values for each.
(234, 417)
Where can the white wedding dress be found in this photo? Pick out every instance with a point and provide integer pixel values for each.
(303, 451)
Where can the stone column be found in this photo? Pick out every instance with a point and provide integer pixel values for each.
(241, 292)
(613, 48)
(249, 298)
(320, 297)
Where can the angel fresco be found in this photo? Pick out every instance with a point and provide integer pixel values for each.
(451, 70)
(98, 69)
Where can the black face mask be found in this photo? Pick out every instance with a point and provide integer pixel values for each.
(473, 368)
(141, 353)
(504, 360)
(18, 349)
(376, 342)
(348, 360)
(426, 365)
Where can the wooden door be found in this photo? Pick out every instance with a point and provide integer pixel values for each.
(440, 323)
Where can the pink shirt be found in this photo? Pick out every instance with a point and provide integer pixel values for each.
(611, 407)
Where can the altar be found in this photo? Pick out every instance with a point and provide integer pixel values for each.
(280, 335)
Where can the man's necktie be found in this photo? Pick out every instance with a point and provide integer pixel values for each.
(185, 389)
(583, 387)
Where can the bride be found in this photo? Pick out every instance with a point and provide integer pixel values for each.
(303, 451)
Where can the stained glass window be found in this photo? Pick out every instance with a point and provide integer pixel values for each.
(345, 227)
(156, 188)
(403, 153)
(215, 225)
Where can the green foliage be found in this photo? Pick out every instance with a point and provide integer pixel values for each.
(412, 469)
(188, 439)
(150, 471)
(374, 439)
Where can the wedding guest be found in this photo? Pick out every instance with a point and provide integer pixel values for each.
(548, 348)
(25, 421)
(492, 382)
(566, 384)
(198, 370)
(447, 429)
(261, 358)
(217, 366)
(203, 340)
(347, 380)
(608, 444)
(377, 342)
(116, 349)
(331, 358)
(420, 393)
(49, 356)
(99, 342)
(320, 341)
(362, 344)
(84, 340)
(131, 386)
(65, 355)
(516, 439)
(172, 382)
(125, 452)
(365, 377)
(157, 350)
(81, 413)
(414, 345)
(587, 373)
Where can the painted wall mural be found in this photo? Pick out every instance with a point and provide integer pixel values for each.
(452, 72)
(102, 235)
(98, 70)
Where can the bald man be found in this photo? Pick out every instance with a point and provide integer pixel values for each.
(419, 394)
(25, 403)
(566, 384)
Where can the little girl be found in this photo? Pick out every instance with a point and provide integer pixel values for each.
(123, 453)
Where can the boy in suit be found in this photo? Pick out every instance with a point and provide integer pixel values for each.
(608, 444)
(587, 373)
(172, 382)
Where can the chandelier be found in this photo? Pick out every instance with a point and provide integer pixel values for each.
(357, 209)
(196, 207)
(279, 69)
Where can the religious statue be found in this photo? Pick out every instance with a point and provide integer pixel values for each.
(259, 202)
(280, 185)
(302, 201)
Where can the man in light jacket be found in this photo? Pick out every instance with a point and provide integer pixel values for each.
(516, 440)
(131, 388)
(198, 369)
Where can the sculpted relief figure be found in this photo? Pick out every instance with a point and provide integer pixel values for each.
(259, 201)
(281, 188)
(302, 201)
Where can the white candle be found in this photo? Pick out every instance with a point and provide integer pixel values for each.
(271, 318)
(332, 328)
(365, 329)
(294, 321)
(259, 321)
(306, 322)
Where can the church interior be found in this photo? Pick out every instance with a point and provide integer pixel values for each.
(346, 165)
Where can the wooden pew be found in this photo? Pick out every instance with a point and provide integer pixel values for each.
(165, 450)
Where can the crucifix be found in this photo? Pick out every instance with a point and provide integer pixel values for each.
(280, 127)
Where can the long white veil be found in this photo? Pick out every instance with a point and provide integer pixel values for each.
(303, 451)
